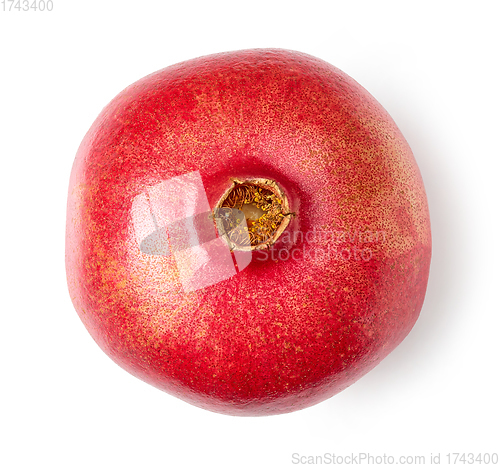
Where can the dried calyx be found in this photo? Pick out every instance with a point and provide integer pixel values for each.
(252, 214)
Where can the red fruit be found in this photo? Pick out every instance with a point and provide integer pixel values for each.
(326, 276)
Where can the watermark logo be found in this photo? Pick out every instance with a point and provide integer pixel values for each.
(173, 218)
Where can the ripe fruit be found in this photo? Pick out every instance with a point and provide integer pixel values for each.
(247, 231)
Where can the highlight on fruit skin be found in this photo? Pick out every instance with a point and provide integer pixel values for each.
(247, 231)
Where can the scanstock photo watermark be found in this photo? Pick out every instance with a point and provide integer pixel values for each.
(364, 458)
(185, 228)
(319, 245)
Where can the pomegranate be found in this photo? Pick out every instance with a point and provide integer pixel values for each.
(247, 231)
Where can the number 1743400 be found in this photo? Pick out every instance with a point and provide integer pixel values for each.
(26, 5)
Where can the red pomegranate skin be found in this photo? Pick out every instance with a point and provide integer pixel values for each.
(305, 319)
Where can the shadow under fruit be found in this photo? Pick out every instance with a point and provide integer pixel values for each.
(247, 231)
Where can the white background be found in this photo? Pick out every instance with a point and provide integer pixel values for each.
(434, 65)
